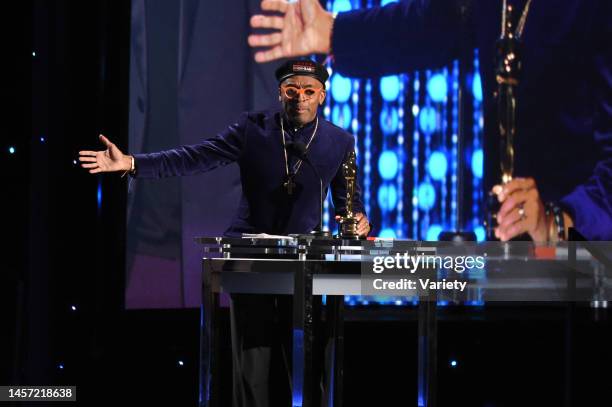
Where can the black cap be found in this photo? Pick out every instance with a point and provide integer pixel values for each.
(301, 67)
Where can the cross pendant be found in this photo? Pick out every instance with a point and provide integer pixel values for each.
(289, 185)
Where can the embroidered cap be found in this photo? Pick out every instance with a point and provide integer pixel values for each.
(302, 67)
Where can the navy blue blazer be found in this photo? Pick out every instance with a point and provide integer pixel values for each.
(254, 142)
(564, 133)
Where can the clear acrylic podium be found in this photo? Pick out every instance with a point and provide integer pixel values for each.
(305, 267)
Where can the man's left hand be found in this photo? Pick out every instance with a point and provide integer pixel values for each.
(522, 211)
(363, 225)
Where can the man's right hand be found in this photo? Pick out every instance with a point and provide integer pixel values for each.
(109, 160)
(303, 28)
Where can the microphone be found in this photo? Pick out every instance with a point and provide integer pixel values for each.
(298, 149)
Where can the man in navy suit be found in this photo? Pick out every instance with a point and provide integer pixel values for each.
(280, 195)
(564, 114)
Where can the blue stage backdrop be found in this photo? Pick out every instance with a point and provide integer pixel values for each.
(192, 74)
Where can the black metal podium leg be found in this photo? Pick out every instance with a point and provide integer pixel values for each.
(427, 352)
(335, 351)
(302, 388)
(209, 377)
(569, 324)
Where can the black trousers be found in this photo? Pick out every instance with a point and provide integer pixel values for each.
(262, 339)
(261, 350)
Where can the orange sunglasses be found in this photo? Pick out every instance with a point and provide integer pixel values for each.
(292, 92)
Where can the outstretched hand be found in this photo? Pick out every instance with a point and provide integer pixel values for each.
(304, 28)
(109, 160)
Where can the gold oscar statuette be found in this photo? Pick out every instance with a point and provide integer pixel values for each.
(348, 223)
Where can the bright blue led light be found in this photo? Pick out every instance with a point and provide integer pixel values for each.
(388, 165)
(427, 119)
(385, 2)
(480, 233)
(477, 163)
(389, 120)
(426, 195)
(437, 87)
(453, 363)
(389, 87)
(60, 366)
(99, 195)
(341, 5)
(340, 88)
(387, 197)
(477, 87)
(12, 150)
(433, 232)
(341, 115)
(387, 233)
(437, 165)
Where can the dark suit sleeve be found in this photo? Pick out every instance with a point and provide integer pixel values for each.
(214, 152)
(338, 188)
(399, 37)
(590, 204)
